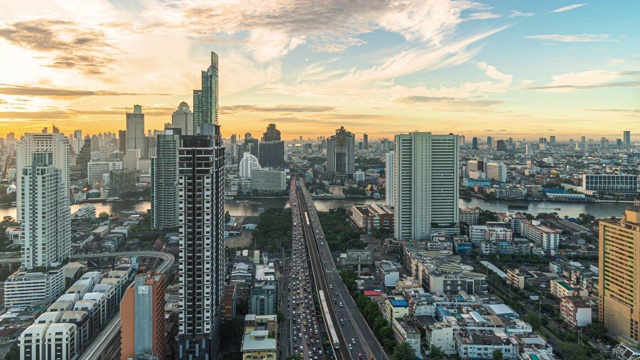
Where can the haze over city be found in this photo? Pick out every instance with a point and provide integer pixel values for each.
(520, 69)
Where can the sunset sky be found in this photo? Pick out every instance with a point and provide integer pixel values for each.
(503, 68)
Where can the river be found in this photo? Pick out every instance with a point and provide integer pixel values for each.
(244, 208)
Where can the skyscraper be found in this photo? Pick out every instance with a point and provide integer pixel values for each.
(182, 119)
(271, 152)
(390, 175)
(135, 130)
(426, 184)
(42, 143)
(201, 223)
(122, 141)
(45, 218)
(619, 271)
(626, 138)
(142, 317)
(45, 213)
(365, 141)
(552, 140)
(489, 142)
(164, 180)
(341, 152)
(474, 143)
(205, 101)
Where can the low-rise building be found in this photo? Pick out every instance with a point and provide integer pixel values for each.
(403, 332)
(257, 345)
(547, 239)
(482, 345)
(228, 303)
(440, 334)
(369, 217)
(575, 311)
(395, 307)
(515, 278)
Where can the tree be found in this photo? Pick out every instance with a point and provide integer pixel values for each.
(103, 216)
(497, 355)
(596, 330)
(403, 352)
(14, 352)
(436, 353)
(534, 320)
(227, 216)
(281, 317)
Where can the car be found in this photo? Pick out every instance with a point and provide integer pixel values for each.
(350, 347)
(340, 303)
(353, 340)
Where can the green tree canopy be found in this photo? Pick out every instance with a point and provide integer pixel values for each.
(404, 351)
(436, 353)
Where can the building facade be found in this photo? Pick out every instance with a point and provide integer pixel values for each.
(426, 184)
(182, 119)
(164, 180)
(135, 130)
(201, 241)
(205, 100)
(389, 173)
(619, 276)
(142, 317)
(610, 183)
(43, 143)
(268, 180)
(271, 148)
(341, 152)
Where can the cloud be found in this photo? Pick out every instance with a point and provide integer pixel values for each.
(74, 46)
(516, 13)
(560, 88)
(567, 8)
(592, 79)
(483, 16)
(629, 111)
(448, 101)
(356, 84)
(8, 89)
(76, 115)
(572, 38)
(233, 109)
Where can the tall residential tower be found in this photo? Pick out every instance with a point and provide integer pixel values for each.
(164, 180)
(619, 276)
(425, 184)
(201, 225)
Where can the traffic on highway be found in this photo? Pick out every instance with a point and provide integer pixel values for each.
(306, 338)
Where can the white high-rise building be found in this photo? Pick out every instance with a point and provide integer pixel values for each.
(45, 214)
(135, 130)
(97, 169)
(390, 175)
(247, 164)
(45, 218)
(426, 184)
(164, 180)
(201, 234)
(38, 143)
(183, 119)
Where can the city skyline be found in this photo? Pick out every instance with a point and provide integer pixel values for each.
(472, 68)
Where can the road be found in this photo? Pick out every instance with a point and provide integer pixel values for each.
(355, 329)
(166, 257)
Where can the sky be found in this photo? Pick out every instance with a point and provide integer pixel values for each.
(521, 69)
